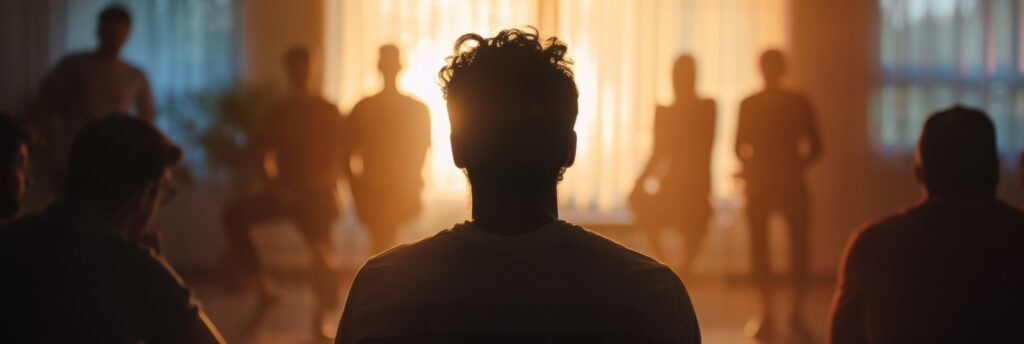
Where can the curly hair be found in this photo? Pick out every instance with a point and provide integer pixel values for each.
(513, 99)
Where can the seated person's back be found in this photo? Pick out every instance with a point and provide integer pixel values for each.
(947, 270)
(79, 272)
(515, 272)
(559, 281)
(68, 284)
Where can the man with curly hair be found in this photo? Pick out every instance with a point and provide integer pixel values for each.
(515, 272)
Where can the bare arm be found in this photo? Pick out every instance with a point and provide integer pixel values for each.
(51, 92)
(811, 134)
(743, 133)
(658, 151)
(144, 101)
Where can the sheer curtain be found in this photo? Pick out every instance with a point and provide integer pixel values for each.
(934, 53)
(623, 53)
(186, 48)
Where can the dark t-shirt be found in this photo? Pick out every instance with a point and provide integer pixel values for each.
(65, 283)
(557, 284)
(944, 271)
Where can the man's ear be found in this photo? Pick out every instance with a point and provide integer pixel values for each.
(570, 156)
(457, 152)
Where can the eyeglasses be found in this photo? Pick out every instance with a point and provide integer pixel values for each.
(168, 194)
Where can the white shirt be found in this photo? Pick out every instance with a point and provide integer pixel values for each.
(559, 282)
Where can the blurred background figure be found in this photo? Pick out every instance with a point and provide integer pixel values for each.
(390, 135)
(14, 171)
(776, 141)
(301, 150)
(87, 86)
(949, 269)
(80, 271)
(674, 188)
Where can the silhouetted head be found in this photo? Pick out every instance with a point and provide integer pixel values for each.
(296, 66)
(773, 66)
(684, 76)
(114, 25)
(512, 103)
(389, 62)
(14, 174)
(121, 165)
(956, 154)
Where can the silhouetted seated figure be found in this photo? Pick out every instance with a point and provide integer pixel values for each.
(515, 272)
(949, 269)
(14, 174)
(776, 141)
(673, 189)
(302, 137)
(391, 134)
(87, 86)
(78, 273)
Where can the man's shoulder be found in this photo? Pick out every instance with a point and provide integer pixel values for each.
(610, 252)
(412, 253)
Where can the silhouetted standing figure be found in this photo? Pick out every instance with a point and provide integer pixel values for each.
(302, 139)
(14, 173)
(88, 86)
(949, 269)
(776, 141)
(515, 273)
(674, 187)
(80, 272)
(390, 132)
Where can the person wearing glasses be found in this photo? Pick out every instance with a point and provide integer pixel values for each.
(14, 174)
(80, 272)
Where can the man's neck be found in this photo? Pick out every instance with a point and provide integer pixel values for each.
(390, 86)
(100, 220)
(109, 55)
(506, 211)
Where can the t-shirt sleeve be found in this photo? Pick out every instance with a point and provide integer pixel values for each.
(168, 306)
(847, 318)
(352, 327)
(689, 328)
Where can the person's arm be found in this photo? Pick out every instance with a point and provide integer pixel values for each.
(52, 93)
(689, 328)
(352, 327)
(657, 152)
(342, 151)
(170, 311)
(847, 313)
(811, 134)
(743, 133)
(144, 103)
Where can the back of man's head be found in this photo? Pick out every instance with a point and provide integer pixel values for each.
(956, 154)
(115, 156)
(512, 103)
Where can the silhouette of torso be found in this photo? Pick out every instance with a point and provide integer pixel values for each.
(305, 134)
(558, 283)
(772, 125)
(687, 131)
(85, 87)
(391, 134)
(944, 271)
(66, 283)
